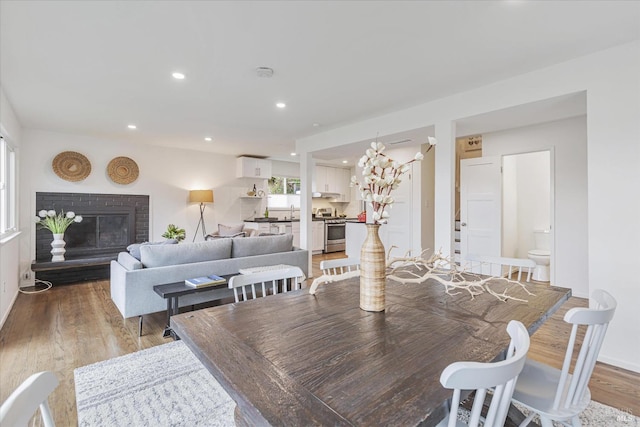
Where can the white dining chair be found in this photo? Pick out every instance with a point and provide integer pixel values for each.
(266, 281)
(332, 267)
(500, 266)
(34, 392)
(561, 395)
(483, 376)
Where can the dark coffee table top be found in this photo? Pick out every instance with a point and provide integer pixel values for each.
(177, 289)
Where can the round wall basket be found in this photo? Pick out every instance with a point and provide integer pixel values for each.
(122, 170)
(71, 166)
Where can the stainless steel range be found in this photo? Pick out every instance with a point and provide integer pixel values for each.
(334, 234)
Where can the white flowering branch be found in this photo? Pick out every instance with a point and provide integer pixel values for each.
(381, 175)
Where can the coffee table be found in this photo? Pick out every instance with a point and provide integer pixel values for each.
(173, 291)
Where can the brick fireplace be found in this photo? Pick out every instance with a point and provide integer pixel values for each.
(110, 223)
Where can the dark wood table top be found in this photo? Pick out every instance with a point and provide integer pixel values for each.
(300, 359)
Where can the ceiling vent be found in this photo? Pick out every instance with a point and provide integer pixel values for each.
(265, 72)
(401, 141)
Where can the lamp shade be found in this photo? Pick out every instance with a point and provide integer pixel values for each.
(201, 196)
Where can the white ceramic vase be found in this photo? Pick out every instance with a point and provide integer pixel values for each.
(57, 247)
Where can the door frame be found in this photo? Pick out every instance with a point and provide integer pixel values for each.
(552, 201)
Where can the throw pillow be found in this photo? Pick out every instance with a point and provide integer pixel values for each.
(134, 249)
(217, 236)
(229, 230)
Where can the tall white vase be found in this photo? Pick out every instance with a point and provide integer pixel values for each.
(57, 246)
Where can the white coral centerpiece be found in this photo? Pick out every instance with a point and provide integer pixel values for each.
(381, 175)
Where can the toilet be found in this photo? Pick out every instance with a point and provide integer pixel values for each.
(541, 255)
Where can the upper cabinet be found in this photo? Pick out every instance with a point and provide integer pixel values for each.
(333, 180)
(250, 167)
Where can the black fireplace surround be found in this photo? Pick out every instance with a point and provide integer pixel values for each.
(110, 223)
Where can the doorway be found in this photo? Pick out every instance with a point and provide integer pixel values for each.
(526, 201)
(503, 200)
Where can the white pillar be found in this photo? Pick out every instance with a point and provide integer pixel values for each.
(306, 176)
(444, 203)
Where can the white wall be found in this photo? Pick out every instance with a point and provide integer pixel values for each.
(568, 139)
(166, 175)
(611, 79)
(10, 245)
(427, 190)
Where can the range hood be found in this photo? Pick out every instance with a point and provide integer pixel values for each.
(318, 195)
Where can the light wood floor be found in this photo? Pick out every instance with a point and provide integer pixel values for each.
(76, 325)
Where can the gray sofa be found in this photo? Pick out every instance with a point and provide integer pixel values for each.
(132, 280)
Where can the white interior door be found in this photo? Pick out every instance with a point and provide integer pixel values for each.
(398, 231)
(480, 207)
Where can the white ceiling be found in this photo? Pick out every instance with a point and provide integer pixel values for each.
(92, 67)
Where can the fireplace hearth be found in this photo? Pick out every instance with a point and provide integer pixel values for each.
(111, 222)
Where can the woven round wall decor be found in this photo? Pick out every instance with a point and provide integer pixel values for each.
(71, 166)
(123, 170)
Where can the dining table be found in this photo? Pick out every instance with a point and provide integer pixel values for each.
(301, 359)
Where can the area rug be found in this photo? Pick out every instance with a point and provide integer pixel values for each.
(161, 386)
(168, 386)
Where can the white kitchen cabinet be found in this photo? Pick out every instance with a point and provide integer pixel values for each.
(295, 230)
(333, 180)
(250, 167)
(343, 184)
(317, 236)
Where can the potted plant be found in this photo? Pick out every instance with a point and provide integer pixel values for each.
(174, 232)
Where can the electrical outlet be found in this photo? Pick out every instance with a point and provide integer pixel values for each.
(4, 286)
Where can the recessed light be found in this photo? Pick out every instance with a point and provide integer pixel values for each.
(265, 72)
(315, 125)
(293, 154)
(281, 105)
(345, 161)
(132, 126)
(178, 76)
(208, 139)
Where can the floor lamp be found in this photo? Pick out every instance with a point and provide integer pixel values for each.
(202, 197)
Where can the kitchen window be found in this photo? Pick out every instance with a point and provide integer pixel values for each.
(282, 192)
(7, 187)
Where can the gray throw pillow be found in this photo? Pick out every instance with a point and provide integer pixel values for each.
(217, 236)
(229, 230)
(134, 248)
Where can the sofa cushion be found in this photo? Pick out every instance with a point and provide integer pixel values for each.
(186, 253)
(229, 230)
(261, 245)
(134, 248)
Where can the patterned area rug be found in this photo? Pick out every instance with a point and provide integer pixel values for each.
(161, 386)
(168, 386)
